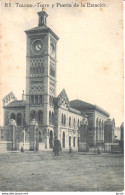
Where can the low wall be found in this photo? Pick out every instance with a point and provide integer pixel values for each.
(111, 147)
(83, 147)
(5, 146)
(26, 146)
(41, 146)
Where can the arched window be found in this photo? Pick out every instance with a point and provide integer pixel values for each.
(33, 115)
(97, 123)
(35, 62)
(42, 69)
(62, 119)
(78, 123)
(39, 69)
(97, 133)
(69, 121)
(12, 116)
(40, 117)
(36, 99)
(50, 118)
(33, 70)
(41, 99)
(74, 123)
(74, 142)
(32, 99)
(102, 125)
(19, 119)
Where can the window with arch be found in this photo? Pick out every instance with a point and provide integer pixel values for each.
(40, 117)
(78, 123)
(33, 70)
(42, 69)
(102, 125)
(50, 118)
(13, 116)
(19, 119)
(74, 123)
(33, 115)
(36, 99)
(39, 69)
(32, 99)
(97, 123)
(53, 118)
(62, 119)
(41, 100)
(69, 121)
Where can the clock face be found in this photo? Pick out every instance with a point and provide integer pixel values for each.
(37, 46)
(52, 49)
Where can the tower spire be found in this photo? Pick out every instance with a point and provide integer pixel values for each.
(42, 17)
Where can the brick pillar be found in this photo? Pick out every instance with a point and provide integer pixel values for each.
(12, 134)
(108, 131)
(34, 136)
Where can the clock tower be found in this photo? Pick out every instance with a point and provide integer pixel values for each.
(41, 74)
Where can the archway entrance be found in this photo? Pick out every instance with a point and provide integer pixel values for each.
(63, 140)
(51, 139)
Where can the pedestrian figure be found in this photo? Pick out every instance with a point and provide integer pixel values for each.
(22, 150)
(57, 146)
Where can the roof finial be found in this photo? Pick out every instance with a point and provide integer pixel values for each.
(42, 17)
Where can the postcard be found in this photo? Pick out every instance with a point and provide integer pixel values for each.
(61, 96)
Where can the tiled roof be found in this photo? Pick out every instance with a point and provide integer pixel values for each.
(74, 111)
(17, 103)
(83, 106)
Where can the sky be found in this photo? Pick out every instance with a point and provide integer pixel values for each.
(89, 51)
